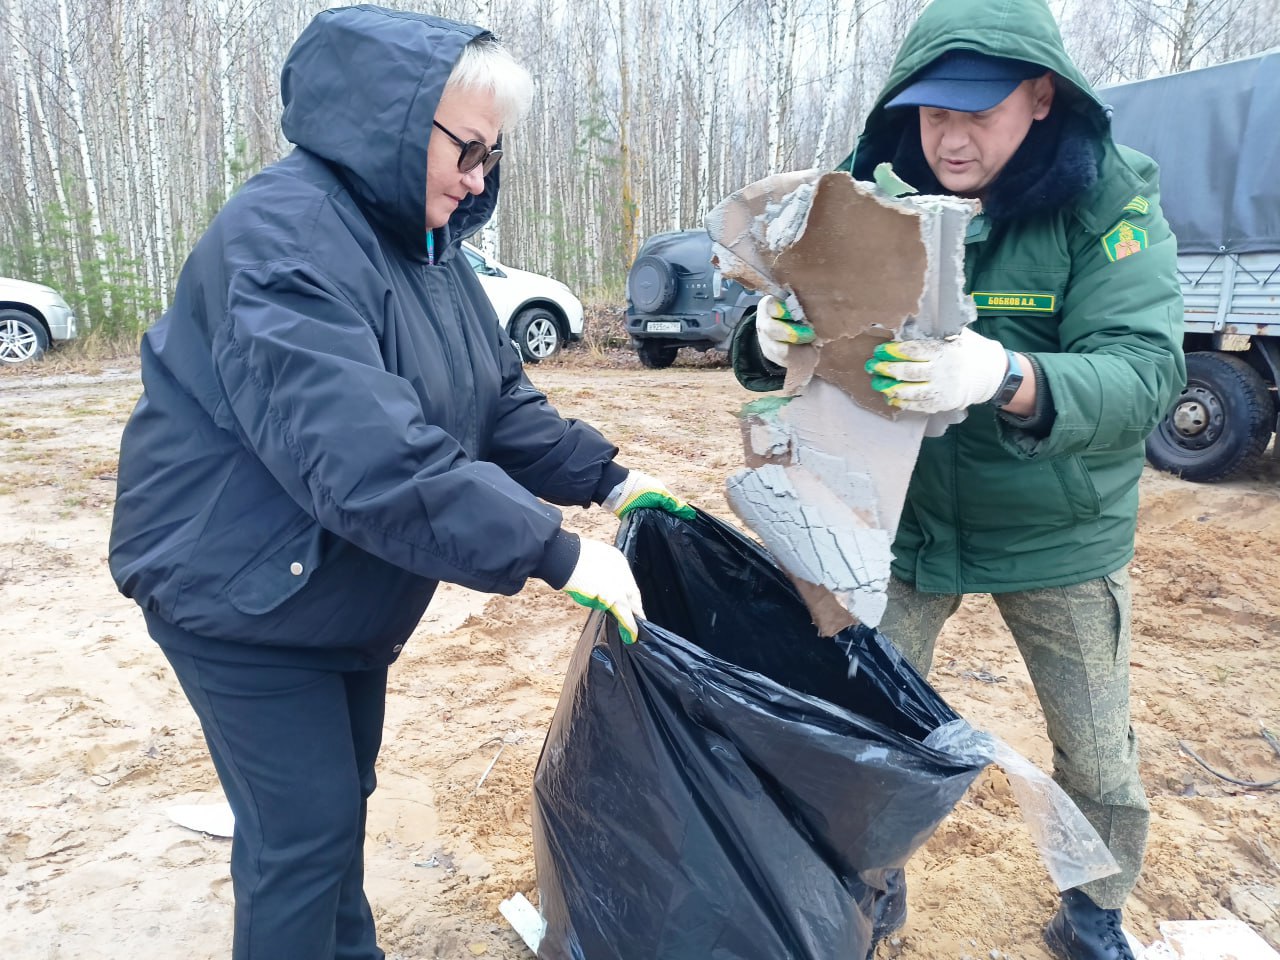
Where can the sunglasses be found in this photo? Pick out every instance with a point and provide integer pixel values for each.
(474, 153)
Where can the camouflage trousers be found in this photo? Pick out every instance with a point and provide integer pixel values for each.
(1075, 643)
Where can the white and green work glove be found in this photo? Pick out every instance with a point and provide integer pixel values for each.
(602, 580)
(641, 490)
(777, 330)
(936, 376)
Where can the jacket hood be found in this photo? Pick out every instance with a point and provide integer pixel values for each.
(1020, 29)
(360, 89)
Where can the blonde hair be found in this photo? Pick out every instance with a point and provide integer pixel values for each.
(488, 66)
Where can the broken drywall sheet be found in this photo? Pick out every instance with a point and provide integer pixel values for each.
(1224, 938)
(828, 464)
(825, 543)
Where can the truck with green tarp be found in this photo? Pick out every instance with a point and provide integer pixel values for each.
(1216, 134)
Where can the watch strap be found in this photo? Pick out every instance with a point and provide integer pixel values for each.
(1012, 381)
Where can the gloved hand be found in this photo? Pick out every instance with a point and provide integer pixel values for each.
(602, 580)
(933, 376)
(642, 490)
(777, 330)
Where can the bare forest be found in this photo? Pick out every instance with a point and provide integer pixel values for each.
(126, 123)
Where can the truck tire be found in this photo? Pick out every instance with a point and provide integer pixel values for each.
(656, 354)
(1220, 423)
(652, 284)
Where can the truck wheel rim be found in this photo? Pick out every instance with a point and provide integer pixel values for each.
(1198, 418)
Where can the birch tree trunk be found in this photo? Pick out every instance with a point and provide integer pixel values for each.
(226, 119)
(777, 61)
(55, 169)
(72, 81)
(157, 170)
(706, 86)
(26, 143)
(677, 146)
(630, 207)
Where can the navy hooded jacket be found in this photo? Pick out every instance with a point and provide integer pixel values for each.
(330, 425)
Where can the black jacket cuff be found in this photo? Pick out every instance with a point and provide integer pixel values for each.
(558, 562)
(612, 476)
(753, 370)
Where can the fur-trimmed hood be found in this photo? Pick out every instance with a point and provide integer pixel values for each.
(1059, 158)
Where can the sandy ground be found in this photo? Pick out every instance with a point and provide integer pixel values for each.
(96, 740)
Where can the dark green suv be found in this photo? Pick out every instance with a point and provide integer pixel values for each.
(677, 298)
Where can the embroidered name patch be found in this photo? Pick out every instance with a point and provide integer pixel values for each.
(1124, 239)
(1030, 302)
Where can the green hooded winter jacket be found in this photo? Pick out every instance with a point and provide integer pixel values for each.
(1087, 288)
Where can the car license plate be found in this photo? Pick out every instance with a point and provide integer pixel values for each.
(662, 326)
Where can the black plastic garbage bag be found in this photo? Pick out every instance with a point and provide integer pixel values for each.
(732, 786)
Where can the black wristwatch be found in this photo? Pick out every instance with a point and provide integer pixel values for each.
(1012, 381)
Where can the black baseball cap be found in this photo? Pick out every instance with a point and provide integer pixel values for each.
(966, 81)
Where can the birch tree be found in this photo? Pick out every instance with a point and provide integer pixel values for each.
(630, 204)
(53, 156)
(776, 59)
(21, 87)
(71, 78)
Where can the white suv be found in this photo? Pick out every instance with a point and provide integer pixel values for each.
(32, 317)
(540, 314)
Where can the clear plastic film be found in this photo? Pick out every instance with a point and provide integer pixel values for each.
(1070, 847)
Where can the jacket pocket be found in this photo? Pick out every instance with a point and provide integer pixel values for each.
(272, 579)
(1078, 488)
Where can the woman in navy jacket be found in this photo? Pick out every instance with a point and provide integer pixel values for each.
(333, 421)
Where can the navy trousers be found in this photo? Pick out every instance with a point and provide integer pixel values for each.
(295, 751)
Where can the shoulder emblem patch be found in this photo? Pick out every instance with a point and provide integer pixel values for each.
(1138, 205)
(1124, 239)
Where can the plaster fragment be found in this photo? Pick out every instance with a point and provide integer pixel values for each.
(827, 473)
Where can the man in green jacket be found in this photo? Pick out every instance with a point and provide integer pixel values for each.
(1074, 357)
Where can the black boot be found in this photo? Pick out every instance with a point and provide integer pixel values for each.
(889, 912)
(1082, 930)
